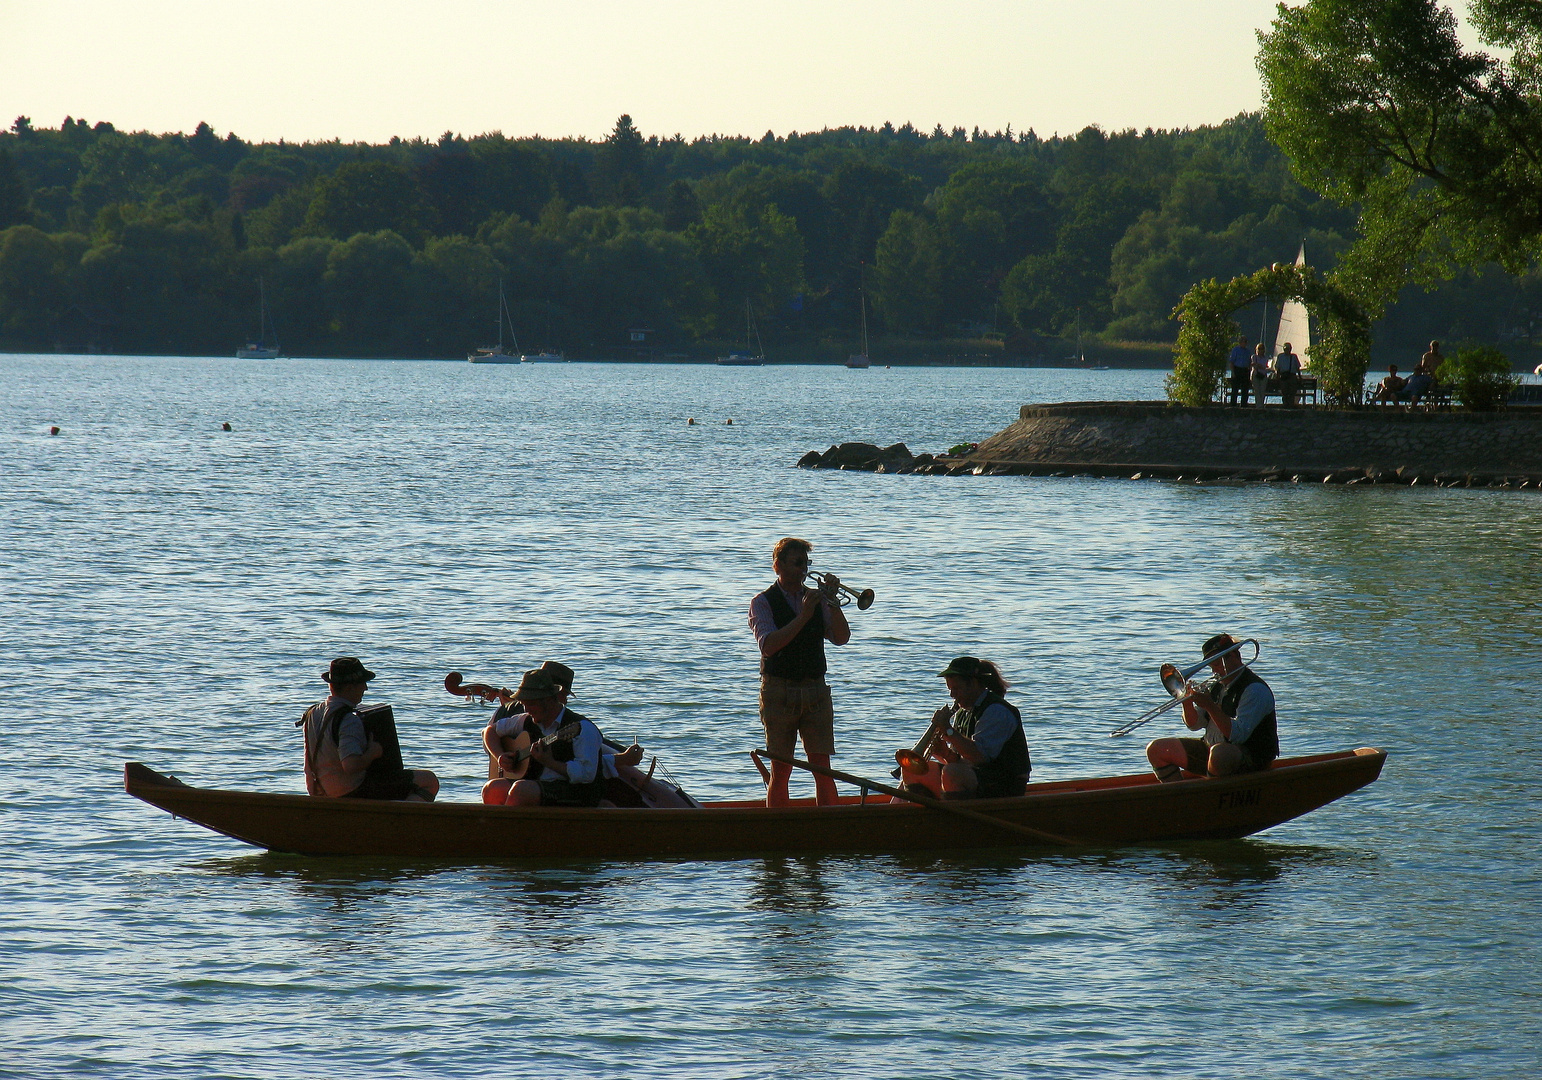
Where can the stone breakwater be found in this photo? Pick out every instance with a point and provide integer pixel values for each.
(1156, 440)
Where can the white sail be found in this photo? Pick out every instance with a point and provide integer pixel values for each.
(1294, 324)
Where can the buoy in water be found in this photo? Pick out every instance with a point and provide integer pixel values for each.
(691, 420)
(730, 419)
(53, 431)
(225, 426)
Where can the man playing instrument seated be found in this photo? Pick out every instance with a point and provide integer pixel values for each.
(508, 721)
(982, 744)
(341, 758)
(1236, 711)
(563, 765)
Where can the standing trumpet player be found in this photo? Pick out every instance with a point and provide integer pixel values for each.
(1236, 712)
(792, 623)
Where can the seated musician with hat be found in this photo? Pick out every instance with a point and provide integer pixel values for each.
(341, 759)
(1236, 711)
(984, 748)
(508, 721)
(563, 771)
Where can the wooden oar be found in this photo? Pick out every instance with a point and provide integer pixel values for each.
(922, 800)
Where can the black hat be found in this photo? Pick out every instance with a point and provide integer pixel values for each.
(966, 667)
(1218, 644)
(537, 684)
(561, 672)
(345, 671)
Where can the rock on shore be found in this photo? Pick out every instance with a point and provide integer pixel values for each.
(1155, 440)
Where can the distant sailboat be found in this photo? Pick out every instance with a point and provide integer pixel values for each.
(1295, 327)
(860, 360)
(497, 354)
(260, 349)
(746, 358)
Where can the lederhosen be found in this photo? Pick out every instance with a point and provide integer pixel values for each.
(556, 789)
(804, 656)
(1005, 774)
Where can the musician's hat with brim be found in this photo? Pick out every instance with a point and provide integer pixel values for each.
(965, 667)
(537, 684)
(345, 671)
(561, 672)
(1218, 644)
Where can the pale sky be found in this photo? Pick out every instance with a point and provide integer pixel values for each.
(355, 70)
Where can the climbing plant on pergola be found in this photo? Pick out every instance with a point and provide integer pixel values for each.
(1206, 330)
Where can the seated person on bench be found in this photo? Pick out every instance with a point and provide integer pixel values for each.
(1391, 388)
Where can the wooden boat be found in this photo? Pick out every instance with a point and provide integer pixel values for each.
(1095, 812)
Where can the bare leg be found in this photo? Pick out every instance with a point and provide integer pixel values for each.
(959, 780)
(427, 784)
(1169, 759)
(776, 790)
(824, 786)
(496, 792)
(1225, 759)
(524, 793)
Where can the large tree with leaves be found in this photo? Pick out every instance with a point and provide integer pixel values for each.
(1377, 102)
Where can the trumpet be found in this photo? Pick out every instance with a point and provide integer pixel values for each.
(1175, 681)
(842, 594)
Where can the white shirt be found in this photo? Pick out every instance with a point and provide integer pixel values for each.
(764, 624)
(587, 744)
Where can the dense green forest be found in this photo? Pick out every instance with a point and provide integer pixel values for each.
(135, 242)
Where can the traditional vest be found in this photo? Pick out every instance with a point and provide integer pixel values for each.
(1006, 773)
(1264, 744)
(804, 656)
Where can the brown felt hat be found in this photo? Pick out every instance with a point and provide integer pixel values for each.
(537, 684)
(345, 671)
(561, 672)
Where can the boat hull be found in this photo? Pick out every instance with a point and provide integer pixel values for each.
(1094, 812)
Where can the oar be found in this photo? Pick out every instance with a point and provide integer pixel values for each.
(923, 800)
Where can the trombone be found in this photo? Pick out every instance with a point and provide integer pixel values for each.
(843, 595)
(1175, 681)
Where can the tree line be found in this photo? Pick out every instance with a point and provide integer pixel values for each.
(140, 242)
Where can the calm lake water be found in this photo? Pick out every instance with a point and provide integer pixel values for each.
(169, 593)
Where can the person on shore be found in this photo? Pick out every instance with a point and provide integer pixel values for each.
(1236, 711)
(1391, 388)
(340, 757)
(1260, 373)
(983, 748)
(562, 771)
(1287, 366)
(1241, 372)
(1423, 378)
(791, 624)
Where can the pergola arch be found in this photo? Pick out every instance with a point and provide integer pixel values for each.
(1340, 355)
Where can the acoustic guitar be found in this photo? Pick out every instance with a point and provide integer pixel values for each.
(514, 762)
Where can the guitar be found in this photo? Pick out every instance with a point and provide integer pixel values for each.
(514, 762)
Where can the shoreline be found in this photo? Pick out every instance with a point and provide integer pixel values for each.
(1156, 440)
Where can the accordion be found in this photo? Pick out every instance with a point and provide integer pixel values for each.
(380, 726)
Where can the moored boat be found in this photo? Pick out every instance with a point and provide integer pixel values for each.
(1098, 811)
(261, 349)
(498, 354)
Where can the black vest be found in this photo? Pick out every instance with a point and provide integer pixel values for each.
(1006, 773)
(804, 656)
(561, 750)
(1264, 744)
